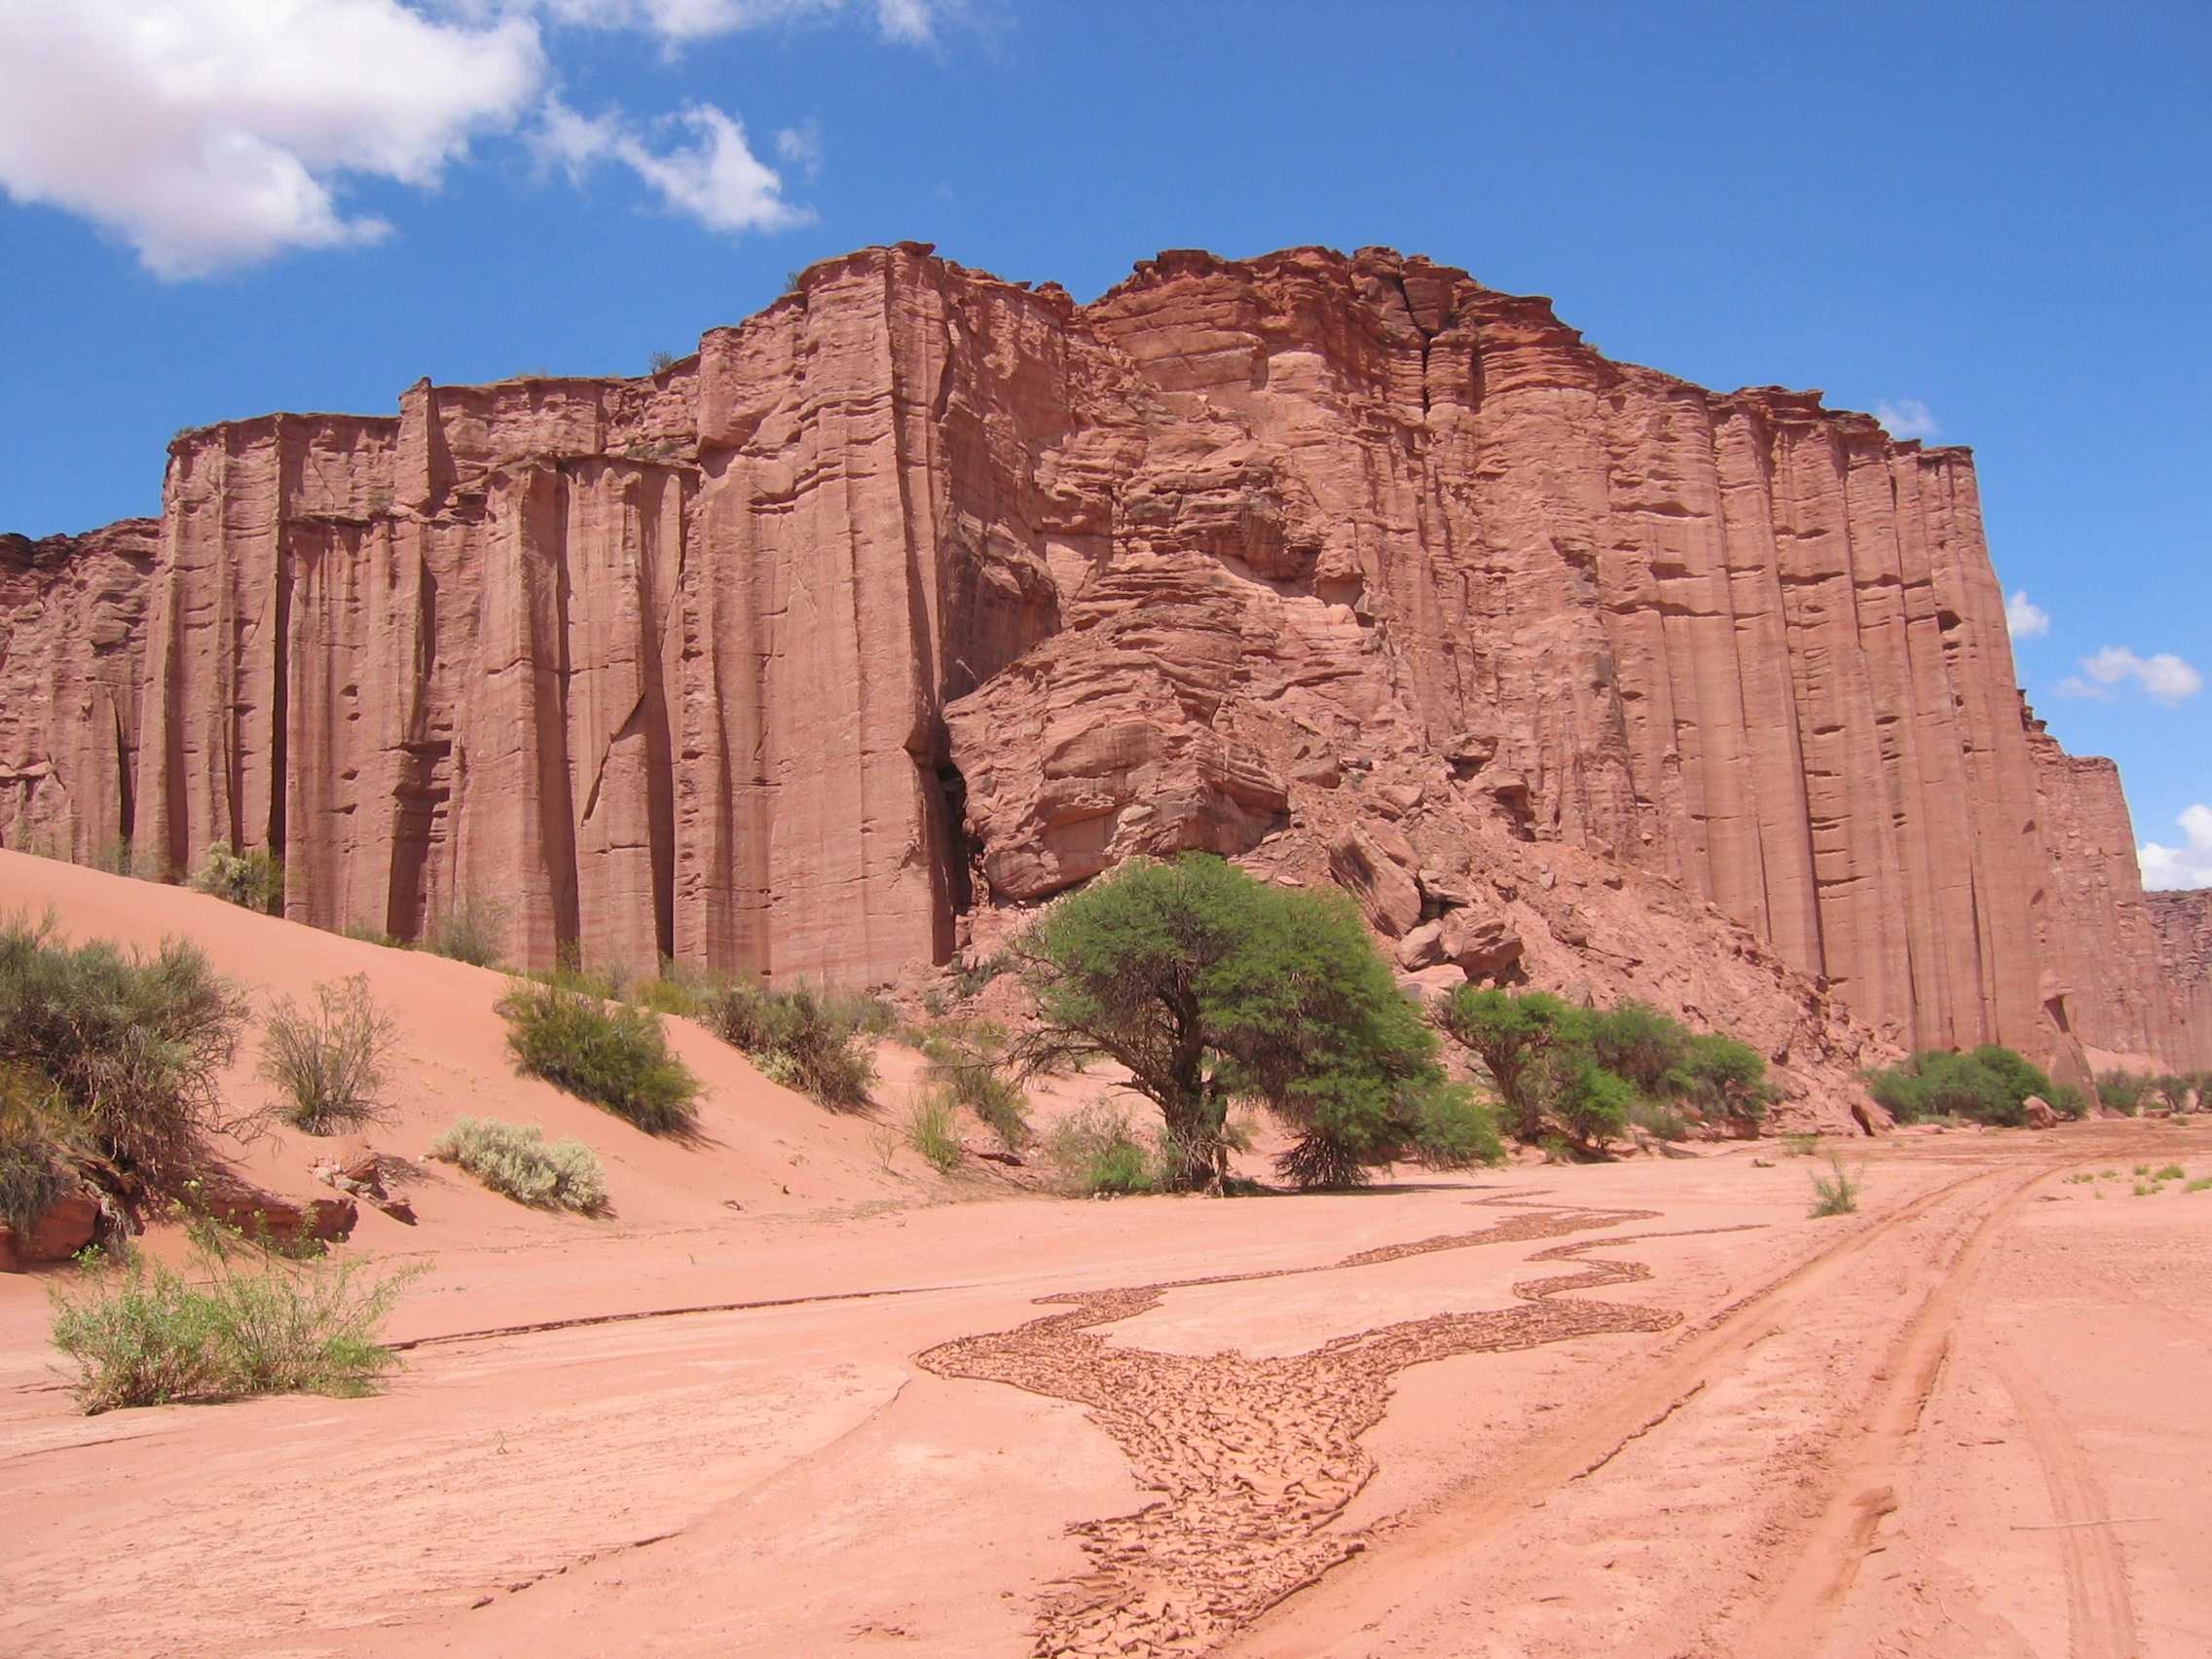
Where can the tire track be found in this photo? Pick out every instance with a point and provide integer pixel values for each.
(1427, 1538)
(2100, 1609)
(1255, 1457)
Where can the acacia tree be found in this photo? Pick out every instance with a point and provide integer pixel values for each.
(1210, 988)
(1531, 1045)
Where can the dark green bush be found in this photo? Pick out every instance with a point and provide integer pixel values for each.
(136, 1044)
(1634, 1041)
(1531, 1042)
(253, 880)
(1726, 1078)
(1989, 1086)
(805, 1038)
(2067, 1100)
(611, 1053)
(1593, 1105)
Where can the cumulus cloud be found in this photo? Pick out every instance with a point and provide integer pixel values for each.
(715, 179)
(2189, 865)
(1906, 418)
(215, 133)
(2024, 618)
(2164, 676)
(210, 134)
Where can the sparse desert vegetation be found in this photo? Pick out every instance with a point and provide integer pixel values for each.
(327, 1059)
(518, 1161)
(253, 880)
(805, 1038)
(612, 1053)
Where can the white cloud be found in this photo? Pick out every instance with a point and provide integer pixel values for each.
(800, 148)
(215, 133)
(2024, 618)
(717, 180)
(2187, 866)
(913, 22)
(2162, 676)
(1906, 418)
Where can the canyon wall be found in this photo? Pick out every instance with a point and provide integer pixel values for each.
(921, 594)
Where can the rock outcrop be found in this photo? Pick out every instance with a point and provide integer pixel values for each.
(922, 594)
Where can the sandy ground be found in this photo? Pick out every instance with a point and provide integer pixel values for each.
(1646, 1408)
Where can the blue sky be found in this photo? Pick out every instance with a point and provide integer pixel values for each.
(1990, 220)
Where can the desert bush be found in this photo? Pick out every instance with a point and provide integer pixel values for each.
(1454, 1131)
(518, 1161)
(1634, 1041)
(34, 1136)
(1657, 1117)
(929, 1129)
(327, 1061)
(610, 1054)
(969, 978)
(142, 1333)
(1800, 1144)
(2172, 1091)
(253, 880)
(1989, 1086)
(1530, 1042)
(473, 931)
(2067, 1100)
(364, 932)
(1726, 1078)
(1213, 988)
(804, 1038)
(1592, 1106)
(1835, 1193)
(135, 1044)
(2123, 1091)
(1092, 1152)
(969, 1061)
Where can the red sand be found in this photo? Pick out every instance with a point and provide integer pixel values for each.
(1964, 1421)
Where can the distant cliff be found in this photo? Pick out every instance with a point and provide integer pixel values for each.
(921, 593)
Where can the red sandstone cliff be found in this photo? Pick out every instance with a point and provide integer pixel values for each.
(921, 592)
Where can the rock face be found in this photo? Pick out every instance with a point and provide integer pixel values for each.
(922, 593)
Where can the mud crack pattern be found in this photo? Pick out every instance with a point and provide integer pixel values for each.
(1255, 1457)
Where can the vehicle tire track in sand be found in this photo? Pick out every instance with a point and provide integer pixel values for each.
(2100, 1609)
(1833, 1544)
(1255, 1457)
(1444, 1528)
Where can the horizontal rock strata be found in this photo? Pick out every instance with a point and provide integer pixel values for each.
(921, 593)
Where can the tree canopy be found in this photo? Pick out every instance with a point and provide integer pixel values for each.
(1210, 987)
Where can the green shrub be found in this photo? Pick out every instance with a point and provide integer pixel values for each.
(1989, 1086)
(1658, 1119)
(2067, 1100)
(610, 1054)
(1726, 1078)
(972, 977)
(328, 1060)
(1213, 988)
(1634, 1041)
(519, 1161)
(930, 1131)
(2172, 1091)
(969, 1061)
(473, 931)
(34, 1134)
(1530, 1042)
(805, 1038)
(135, 1044)
(1454, 1131)
(2122, 1092)
(145, 1333)
(1835, 1193)
(361, 933)
(254, 880)
(1092, 1153)
(1593, 1105)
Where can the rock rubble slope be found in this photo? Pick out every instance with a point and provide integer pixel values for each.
(922, 594)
